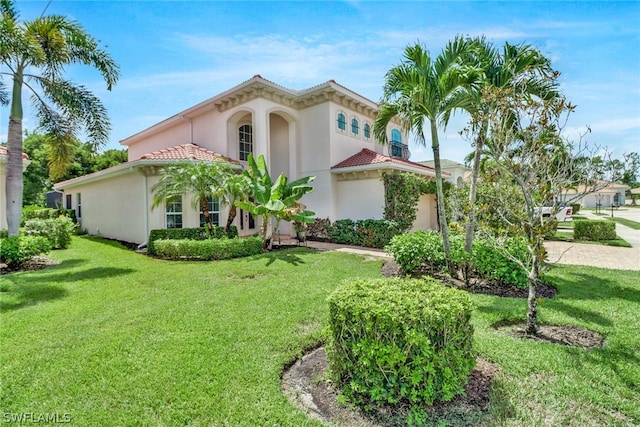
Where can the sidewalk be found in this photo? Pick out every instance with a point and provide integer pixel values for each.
(558, 252)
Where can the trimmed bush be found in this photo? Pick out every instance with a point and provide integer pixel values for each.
(14, 251)
(490, 261)
(371, 233)
(199, 233)
(319, 230)
(575, 208)
(422, 248)
(210, 249)
(47, 213)
(395, 340)
(594, 230)
(58, 231)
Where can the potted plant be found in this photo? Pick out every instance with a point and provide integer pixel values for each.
(301, 230)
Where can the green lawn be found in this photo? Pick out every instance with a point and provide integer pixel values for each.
(111, 337)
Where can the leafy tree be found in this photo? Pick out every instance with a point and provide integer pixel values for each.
(279, 198)
(424, 91)
(235, 187)
(37, 177)
(199, 179)
(34, 55)
(529, 154)
(521, 67)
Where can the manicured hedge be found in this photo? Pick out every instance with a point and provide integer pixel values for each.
(199, 233)
(400, 340)
(47, 213)
(594, 230)
(424, 250)
(210, 249)
(14, 251)
(372, 233)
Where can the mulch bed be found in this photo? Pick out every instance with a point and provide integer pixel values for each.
(475, 286)
(35, 263)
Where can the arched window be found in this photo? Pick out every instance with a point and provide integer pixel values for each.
(366, 130)
(396, 136)
(355, 126)
(342, 122)
(245, 141)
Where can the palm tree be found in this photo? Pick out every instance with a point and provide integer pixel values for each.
(202, 180)
(34, 55)
(424, 90)
(521, 67)
(236, 188)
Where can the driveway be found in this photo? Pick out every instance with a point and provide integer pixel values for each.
(601, 255)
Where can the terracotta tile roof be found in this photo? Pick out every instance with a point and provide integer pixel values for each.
(186, 152)
(369, 157)
(3, 152)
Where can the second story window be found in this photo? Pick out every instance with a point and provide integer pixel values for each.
(342, 122)
(245, 141)
(366, 131)
(355, 126)
(396, 136)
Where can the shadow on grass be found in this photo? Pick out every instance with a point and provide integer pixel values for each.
(289, 255)
(18, 296)
(90, 274)
(584, 286)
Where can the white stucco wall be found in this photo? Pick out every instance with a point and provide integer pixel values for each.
(426, 216)
(3, 196)
(360, 199)
(112, 208)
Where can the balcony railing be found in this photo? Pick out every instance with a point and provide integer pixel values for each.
(400, 150)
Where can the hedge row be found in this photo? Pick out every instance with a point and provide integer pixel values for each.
(47, 213)
(397, 340)
(372, 233)
(594, 230)
(210, 249)
(199, 233)
(424, 249)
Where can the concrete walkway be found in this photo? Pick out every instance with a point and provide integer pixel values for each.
(558, 252)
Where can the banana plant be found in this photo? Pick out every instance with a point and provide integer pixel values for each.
(279, 198)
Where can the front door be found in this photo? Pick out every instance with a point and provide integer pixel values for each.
(247, 223)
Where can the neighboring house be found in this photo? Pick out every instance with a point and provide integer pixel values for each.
(459, 173)
(3, 183)
(609, 194)
(325, 131)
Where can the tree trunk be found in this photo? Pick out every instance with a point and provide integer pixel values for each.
(233, 211)
(14, 179)
(442, 216)
(473, 191)
(534, 274)
(204, 205)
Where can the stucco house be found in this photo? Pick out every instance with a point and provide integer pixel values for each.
(611, 193)
(3, 183)
(325, 131)
(458, 173)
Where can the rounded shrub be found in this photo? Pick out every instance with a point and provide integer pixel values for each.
(412, 250)
(16, 250)
(400, 340)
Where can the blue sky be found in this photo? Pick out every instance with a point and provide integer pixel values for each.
(175, 54)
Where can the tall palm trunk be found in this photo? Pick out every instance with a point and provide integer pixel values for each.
(204, 205)
(14, 182)
(473, 191)
(442, 216)
(233, 211)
